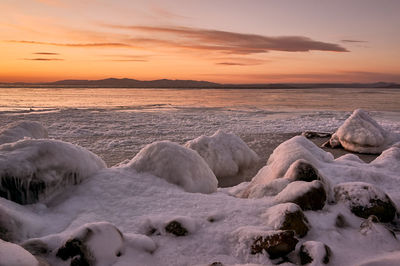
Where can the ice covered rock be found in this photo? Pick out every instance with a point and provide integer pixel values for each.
(372, 225)
(270, 189)
(20, 130)
(14, 255)
(314, 253)
(31, 170)
(360, 133)
(364, 200)
(315, 134)
(281, 164)
(287, 216)
(177, 165)
(97, 244)
(178, 226)
(255, 240)
(227, 155)
(308, 195)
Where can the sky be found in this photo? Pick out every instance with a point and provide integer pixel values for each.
(226, 41)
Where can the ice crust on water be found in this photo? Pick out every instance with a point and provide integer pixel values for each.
(227, 155)
(31, 170)
(360, 133)
(20, 130)
(176, 164)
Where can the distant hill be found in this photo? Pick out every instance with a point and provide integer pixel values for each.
(167, 83)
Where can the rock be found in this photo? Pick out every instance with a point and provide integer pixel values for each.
(177, 165)
(14, 255)
(254, 240)
(364, 200)
(308, 195)
(287, 216)
(371, 226)
(93, 242)
(175, 228)
(266, 190)
(360, 133)
(314, 252)
(20, 130)
(36, 247)
(340, 221)
(315, 134)
(301, 170)
(33, 170)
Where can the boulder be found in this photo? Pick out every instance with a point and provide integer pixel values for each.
(32, 170)
(176, 228)
(287, 216)
(315, 134)
(177, 165)
(20, 130)
(364, 200)
(308, 195)
(360, 133)
(301, 170)
(314, 252)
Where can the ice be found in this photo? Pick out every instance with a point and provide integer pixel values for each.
(20, 130)
(226, 154)
(32, 170)
(14, 255)
(176, 164)
(360, 133)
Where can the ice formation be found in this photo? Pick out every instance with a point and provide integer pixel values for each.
(31, 170)
(227, 155)
(176, 164)
(360, 133)
(19, 130)
(14, 255)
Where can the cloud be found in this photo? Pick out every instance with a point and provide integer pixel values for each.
(353, 41)
(127, 60)
(43, 59)
(240, 61)
(106, 44)
(46, 53)
(229, 42)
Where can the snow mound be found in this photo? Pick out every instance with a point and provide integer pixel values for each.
(282, 158)
(20, 130)
(387, 259)
(31, 170)
(360, 133)
(14, 255)
(226, 154)
(177, 165)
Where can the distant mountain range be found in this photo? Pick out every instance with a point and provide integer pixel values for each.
(167, 83)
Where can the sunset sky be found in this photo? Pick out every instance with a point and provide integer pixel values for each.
(227, 41)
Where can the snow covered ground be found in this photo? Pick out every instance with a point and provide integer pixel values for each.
(124, 215)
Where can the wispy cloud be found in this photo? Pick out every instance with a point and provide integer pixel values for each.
(230, 42)
(353, 41)
(46, 53)
(43, 59)
(237, 61)
(107, 44)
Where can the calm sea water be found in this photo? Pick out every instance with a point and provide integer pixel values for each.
(264, 99)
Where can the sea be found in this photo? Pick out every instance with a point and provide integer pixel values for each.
(116, 123)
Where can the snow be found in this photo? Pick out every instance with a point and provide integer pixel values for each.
(360, 133)
(176, 164)
(227, 155)
(32, 170)
(20, 130)
(275, 216)
(13, 255)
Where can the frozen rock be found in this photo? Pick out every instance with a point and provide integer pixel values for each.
(301, 170)
(32, 170)
(20, 130)
(178, 226)
(287, 216)
(270, 189)
(372, 226)
(314, 253)
(177, 165)
(282, 159)
(360, 133)
(14, 255)
(308, 195)
(364, 200)
(255, 240)
(315, 134)
(93, 244)
(227, 155)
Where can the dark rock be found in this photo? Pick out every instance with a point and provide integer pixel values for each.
(75, 249)
(340, 221)
(216, 263)
(315, 134)
(36, 247)
(176, 229)
(276, 244)
(301, 170)
(308, 195)
(287, 216)
(314, 250)
(365, 200)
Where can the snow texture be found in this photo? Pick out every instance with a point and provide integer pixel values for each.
(360, 133)
(14, 255)
(20, 130)
(32, 170)
(227, 155)
(275, 216)
(176, 164)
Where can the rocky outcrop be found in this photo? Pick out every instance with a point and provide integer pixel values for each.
(364, 200)
(314, 252)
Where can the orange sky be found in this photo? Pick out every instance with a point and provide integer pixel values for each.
(228, 41)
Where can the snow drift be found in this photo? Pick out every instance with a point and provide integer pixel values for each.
(176, 164)
(19, 130)
(31, 170)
